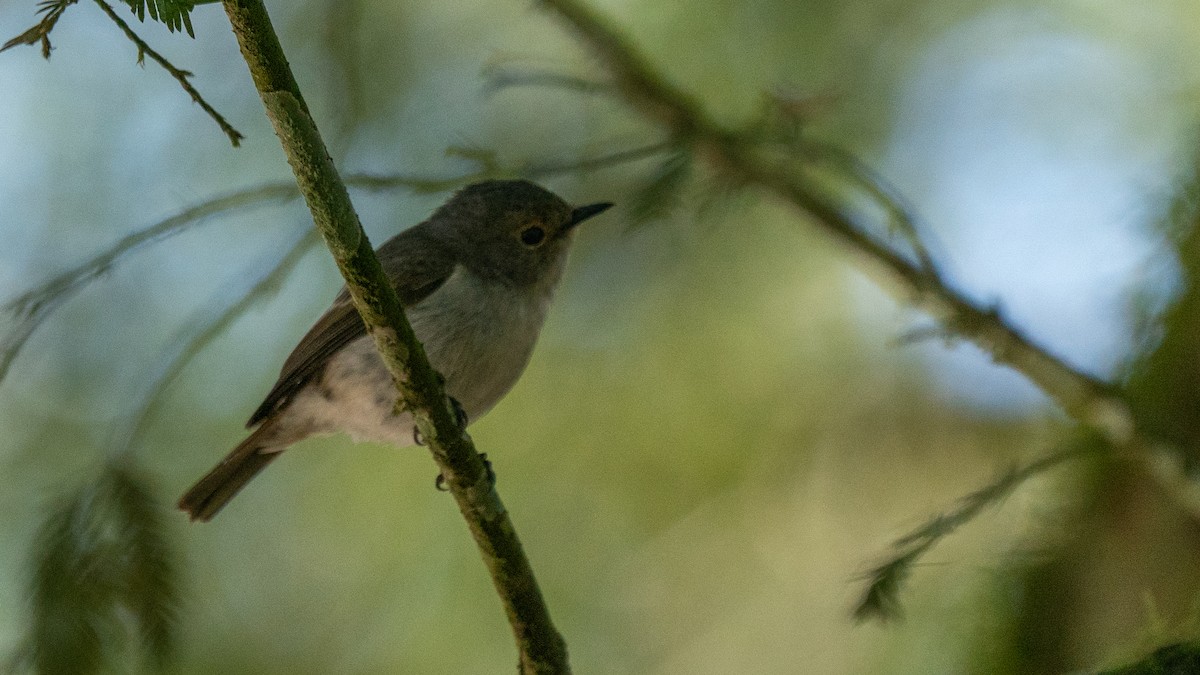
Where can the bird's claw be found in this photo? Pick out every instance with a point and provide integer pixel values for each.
(460, 418)
(460, 415)
(487, 466)
(439, 483)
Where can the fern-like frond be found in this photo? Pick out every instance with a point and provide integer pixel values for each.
(174, 14)
(100, 559)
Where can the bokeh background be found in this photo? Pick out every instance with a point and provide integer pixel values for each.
(722, 428)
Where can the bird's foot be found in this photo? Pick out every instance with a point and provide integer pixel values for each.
(460, 418)
(439, 483)
(460, 415)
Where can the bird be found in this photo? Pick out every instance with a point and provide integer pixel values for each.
(475, 279)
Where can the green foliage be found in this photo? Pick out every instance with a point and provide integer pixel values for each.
(174, 14)
(29, 310)
(101, 562)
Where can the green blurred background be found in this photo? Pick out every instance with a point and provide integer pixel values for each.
(719, 432)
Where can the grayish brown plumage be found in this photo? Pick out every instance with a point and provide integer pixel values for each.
(475, 280)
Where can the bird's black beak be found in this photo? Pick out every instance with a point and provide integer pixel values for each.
(582, 213)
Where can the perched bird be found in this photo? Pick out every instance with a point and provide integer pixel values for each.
(475, 280)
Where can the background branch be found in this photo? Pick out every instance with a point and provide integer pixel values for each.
(880, 599)
(541, 648)
(30, 309)
(181, 76)
(741, 158)
(210, 323)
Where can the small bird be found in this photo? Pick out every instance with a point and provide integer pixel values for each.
(475, 280)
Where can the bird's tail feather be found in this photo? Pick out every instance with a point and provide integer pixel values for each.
(212, 492)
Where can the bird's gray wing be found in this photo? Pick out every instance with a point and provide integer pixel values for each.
(340, 325)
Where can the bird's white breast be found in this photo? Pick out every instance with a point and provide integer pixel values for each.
(478, 333)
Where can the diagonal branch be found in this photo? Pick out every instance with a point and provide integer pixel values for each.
(542, 649)
(181, 76)
(1090, 401)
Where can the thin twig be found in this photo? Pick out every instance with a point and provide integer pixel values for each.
(506, 77)
(204, 330)
(181, 76)
(418, 184)
(901, 216)
(32, 308)
(548, 169)
(533, 171)
(880, 599)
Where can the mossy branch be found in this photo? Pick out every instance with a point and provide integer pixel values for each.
(542, 649)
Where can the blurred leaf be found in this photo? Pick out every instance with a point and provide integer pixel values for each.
(101, 559)
(70, 594)
(149, 584)
(1164, 383)
(661, 194)
(31, 308)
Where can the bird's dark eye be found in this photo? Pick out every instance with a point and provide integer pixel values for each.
(533, 236)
